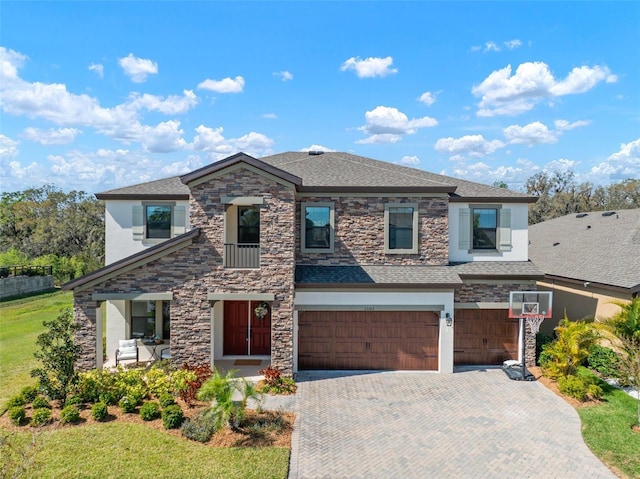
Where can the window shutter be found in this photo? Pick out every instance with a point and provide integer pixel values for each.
(179, 220)
(504, 230)
(464, 239)
(137, 224)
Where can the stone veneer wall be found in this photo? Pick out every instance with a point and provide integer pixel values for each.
(194, 271)
(359, 232)
(499, 293)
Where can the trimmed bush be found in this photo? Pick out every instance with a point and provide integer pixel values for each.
(127, 404)
(150, 410)
(108, 397)
(166, 400)
(69, 415)
(17, 414)
(582, 387)
(40, 402)
(16, 401)
(172, 417)
(594, 392)
(99, 411)
(29, 393)
(41, 416)
(73, 401)
(200, 428)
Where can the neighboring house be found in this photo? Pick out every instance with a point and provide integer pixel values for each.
(314, 261)
(588, 260)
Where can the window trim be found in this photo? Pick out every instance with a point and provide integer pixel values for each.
(151, 241)
(496, 247)
(504, 240)
(415, 223)
(303, 226)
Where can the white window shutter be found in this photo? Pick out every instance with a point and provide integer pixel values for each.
(464, 239)
(504, 232)
(179, 213)
(137, 223)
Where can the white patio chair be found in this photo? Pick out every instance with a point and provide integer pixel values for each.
(127, 349)
(165, 353)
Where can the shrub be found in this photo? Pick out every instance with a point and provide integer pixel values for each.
(15, 401)
(149, 411)
(40, 402)
(127, 404)
(94, 383)
(188, 380)
(201, 427)
(17, 414)
(594, 392)
(274, 383)
(604, 360)
(564, 355)
(130, 383)
(158, 382)
(172, 416)
(99, 411)
(166, 400)
(29, 393)
(41, 416)
(108, 397)
(73, 400)
(69, 414)
(573, 386)
(541, 341)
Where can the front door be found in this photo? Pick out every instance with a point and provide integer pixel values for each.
(244, 332)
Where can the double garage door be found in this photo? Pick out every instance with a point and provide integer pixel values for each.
(403, 340)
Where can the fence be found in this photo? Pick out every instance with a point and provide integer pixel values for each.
(7, 271)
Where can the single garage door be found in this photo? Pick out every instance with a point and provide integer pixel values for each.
(484, 336)
(404, 340)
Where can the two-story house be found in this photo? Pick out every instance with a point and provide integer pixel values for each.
(314, 260)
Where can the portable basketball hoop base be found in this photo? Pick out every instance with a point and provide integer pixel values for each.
(532, 307)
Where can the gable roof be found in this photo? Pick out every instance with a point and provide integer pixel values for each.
(329, 172)
(595, 247)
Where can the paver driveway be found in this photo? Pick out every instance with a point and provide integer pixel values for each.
(472, 424)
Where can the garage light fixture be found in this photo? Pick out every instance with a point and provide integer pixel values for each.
(448, 319)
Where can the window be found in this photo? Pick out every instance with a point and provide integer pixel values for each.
(317, 228)
(485, 228)
(156, 222)
(401, 228)
(150, 319)
(248, 225)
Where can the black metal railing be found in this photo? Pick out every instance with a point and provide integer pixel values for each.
(241, 255)
(6, 271)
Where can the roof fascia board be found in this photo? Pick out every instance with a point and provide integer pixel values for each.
(498, 278)
(338, 288)
(609, 287)
(140, 196)
(493, 199)
(377, 189)
(367, 286)
(374, 194)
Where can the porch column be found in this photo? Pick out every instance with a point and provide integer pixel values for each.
(99, 334)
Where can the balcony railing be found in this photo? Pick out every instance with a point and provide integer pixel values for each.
(241, 255)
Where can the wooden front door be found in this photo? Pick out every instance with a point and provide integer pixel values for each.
(239, 338)
(484, 337)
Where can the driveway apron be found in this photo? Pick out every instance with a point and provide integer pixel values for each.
(471, 424)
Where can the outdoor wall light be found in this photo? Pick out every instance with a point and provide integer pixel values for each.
(448, 319)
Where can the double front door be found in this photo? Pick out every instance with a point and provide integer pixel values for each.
(245, 333)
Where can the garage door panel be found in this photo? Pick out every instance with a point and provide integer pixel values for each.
(485, 336)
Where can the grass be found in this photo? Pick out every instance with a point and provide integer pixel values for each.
(606, 429)
(20, 324)
(131, 450)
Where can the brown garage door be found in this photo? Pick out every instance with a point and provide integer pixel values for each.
(484, 336)
(405, 340)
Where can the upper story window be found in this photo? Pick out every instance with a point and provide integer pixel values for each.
(401, 228)
(156, 222)
(485, 228)
(248, 225)
(317, 228)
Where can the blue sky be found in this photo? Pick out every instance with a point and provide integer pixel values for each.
(95, 96)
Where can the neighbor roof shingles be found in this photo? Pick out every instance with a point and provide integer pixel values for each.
(166, 188)
(594, 248)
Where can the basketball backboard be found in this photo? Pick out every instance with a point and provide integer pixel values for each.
(530, 303)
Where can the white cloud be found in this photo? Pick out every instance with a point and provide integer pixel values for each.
(505, 94)
(427, 98)
(8, 147)
(226, 85)
(138, 68)
(532, 134)
(284, 75)
(60, 136)
(193, 162)
(473, 146)
(269, 116)
(387, 125)
(10, 62)
(213, 142)
(491, 47)
(317, 148)
(171, 105)
(513, 176)
(476, 48)
(513, 44)
(369, 67)
(620, 165)
(564, 125)
(409, 161)
(163, 138)
(98, 68)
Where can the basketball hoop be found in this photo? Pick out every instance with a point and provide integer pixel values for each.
(534, 320)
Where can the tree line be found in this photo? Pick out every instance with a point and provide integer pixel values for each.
(46, 226)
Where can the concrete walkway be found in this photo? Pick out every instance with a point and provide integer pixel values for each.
(472, 424)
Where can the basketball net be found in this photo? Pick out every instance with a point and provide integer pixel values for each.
(534, 320)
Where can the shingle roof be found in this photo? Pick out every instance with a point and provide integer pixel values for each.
(337, 171)
(594, 248)
(495, 269)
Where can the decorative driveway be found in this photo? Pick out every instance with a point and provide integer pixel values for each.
(472, 424)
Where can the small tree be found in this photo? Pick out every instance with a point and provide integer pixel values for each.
(58, 354)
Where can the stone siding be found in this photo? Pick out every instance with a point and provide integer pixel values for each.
(359, 232)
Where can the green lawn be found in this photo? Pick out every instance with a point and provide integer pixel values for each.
(20, 324)
(606, 429)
